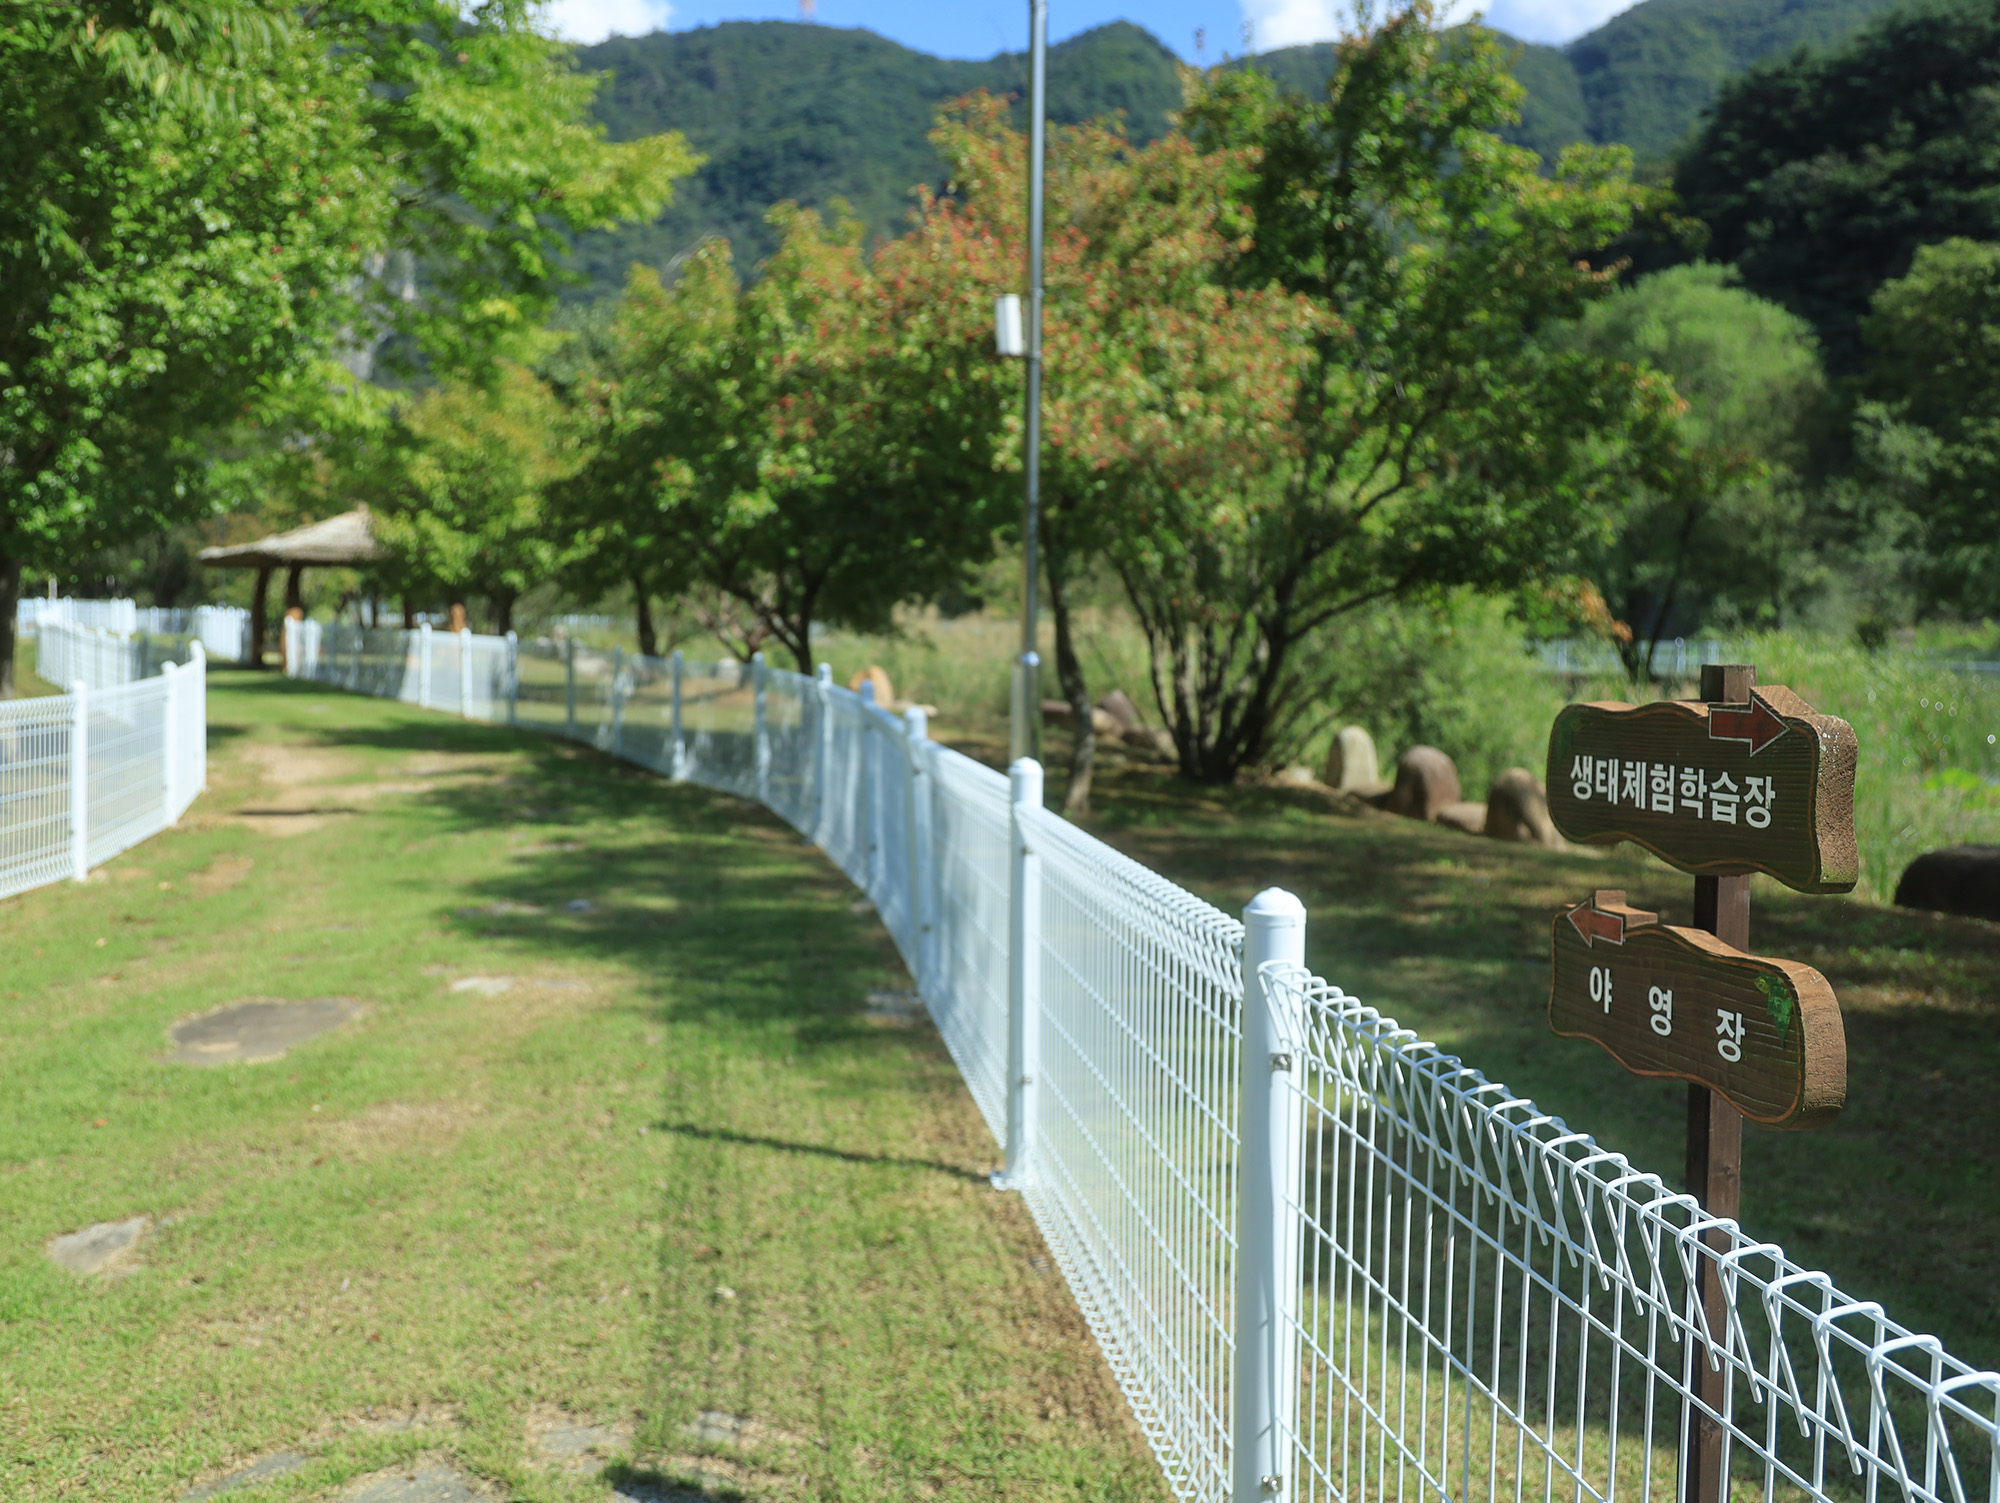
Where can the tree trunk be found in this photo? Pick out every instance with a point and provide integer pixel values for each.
(295, 598)
(503, 613)
(1069, 673)
(10, 595)
(649, 641)
(260, 618)
(409, 615)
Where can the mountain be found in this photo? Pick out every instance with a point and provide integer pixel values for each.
(815, 113)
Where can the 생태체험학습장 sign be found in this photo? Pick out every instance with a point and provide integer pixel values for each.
(1714, 789)
(1680, 1004)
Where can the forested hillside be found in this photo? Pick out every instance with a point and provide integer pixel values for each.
(815, 113)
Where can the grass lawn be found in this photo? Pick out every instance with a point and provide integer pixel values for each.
(1899, 1199)
(643, 1173)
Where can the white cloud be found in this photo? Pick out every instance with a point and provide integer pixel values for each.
(593, 20)
(1287, 23)
(1551, 20)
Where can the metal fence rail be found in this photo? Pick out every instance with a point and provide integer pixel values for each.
(88, 774)
(1323, 1259)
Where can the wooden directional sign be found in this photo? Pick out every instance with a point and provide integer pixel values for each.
(1716, 790)
(1679, 1003)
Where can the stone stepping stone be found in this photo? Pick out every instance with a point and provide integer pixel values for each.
(578, 1446)
(505, 908)
(257, 1031)
(422, 1482)
(895, 1007)
(579, 905)
(103, 1248)
(485, 986)
(249, 1476)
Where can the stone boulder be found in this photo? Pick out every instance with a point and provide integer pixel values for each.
(885, 693)
(1118, 705)
(1964, 879)
(1517, 809)
(1102, 723)
(1149, 738)
(1350, 763)
(1464, 815)
(1426, 781)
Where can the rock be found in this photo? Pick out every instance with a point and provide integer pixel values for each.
(249, 1476)
(1055, 709)
(579, 905)
(485, 986)
(1297, 776)
(1964, 879)
(885, 692)
(103, 1248)
(257, 1031)
(416, 1482)
(1118, 705)
(1350, 762)
(1517, 809)
(1146, 738)
(1464, 815)
(1426, 782)
(1104, 723)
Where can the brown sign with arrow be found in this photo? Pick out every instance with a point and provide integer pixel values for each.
(1714, 789)
(1679, 1003)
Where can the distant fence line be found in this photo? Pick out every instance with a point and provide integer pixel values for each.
(1324, 1259)
(145, 637)
(88, 774)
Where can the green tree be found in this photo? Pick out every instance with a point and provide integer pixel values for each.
(1438, 444)
(818, 447)
(1820, 176)
(1155, 375)
(464, 492)
(198, 202)
(1931, 421)
(1730, 530)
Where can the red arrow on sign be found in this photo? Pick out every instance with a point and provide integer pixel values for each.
(1594, 926)
(1756, 723)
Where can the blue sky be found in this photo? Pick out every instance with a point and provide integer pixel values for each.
(980, 28)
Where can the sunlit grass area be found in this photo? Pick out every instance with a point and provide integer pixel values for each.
(611, 1146)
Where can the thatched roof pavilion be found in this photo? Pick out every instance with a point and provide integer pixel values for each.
(343, 542)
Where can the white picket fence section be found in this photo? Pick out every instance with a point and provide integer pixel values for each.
(88, 774)
(31, 612)
(1324, 1260)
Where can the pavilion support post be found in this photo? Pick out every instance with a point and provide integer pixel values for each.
(260, 619)
(295, 599)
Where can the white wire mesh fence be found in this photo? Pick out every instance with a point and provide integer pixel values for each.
(1324, 1260)
(103, 659)
(88, 774)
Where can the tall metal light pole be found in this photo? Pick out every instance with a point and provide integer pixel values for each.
(1025, 730)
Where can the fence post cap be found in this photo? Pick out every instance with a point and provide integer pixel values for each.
(1274, 908)
(917, 723)
(1025, 777)
(868, 691)
(825, 674)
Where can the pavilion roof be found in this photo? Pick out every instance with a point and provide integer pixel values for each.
(345, 540)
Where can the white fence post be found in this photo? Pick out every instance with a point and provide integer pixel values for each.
(678, 760)
(169, 740)
(465, 673)
(198, 661)
(513, 671)
(79, 781)
(1024, 978)
(822, 749)
(1268, 1234)
(867, 811)
(923, 896)
(569, 687)
(761, 729)
(424, 664)
(617, 701)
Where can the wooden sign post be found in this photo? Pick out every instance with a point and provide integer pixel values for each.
(1743, 780)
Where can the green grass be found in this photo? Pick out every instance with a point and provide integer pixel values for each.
(673, 1170)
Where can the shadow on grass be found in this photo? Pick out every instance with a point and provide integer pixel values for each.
(873, 1160)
